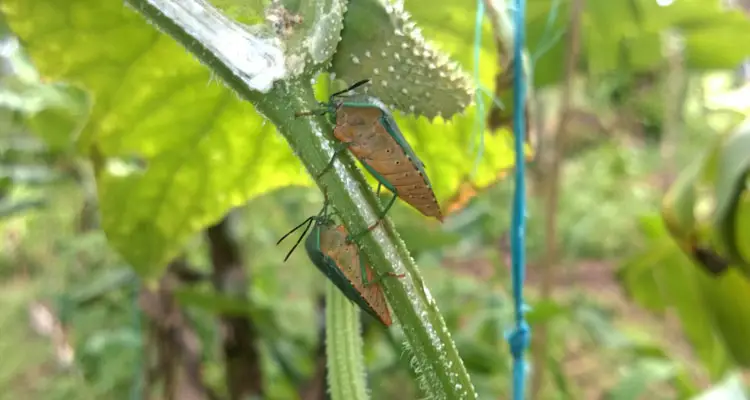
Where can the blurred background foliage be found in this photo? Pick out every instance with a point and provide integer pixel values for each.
(631, 316)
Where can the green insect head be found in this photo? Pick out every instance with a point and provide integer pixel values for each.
(335, 101)
(323, 219)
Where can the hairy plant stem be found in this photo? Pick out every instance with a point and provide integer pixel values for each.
(436, 360)
(346, 366)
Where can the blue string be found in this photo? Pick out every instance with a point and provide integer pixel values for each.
(520, 336)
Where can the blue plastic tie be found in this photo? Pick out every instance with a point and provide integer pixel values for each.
(519, 338)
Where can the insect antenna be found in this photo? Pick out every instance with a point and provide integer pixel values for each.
(309, 222)
(352, 87)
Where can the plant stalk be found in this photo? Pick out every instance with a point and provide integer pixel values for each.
(675, 92)
(553, 159)
(241, 353)
(192, 23)
(346, 366)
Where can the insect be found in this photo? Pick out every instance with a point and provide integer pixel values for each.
(366, 127)
(330, 248)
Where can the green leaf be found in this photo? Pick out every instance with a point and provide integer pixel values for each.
(676, 277)
(728, 301)
(687, 208)
(174, 185)
(603, 56)
(626, 33)
(545, 311)
(644, 51)
(204, 150)
(61, 117)
(199, 151)
(742, 221)
(10, 208)
(54, 111)
(663, 277)
(637, 276)
(643, 345)
(101, 284)
(732, 194)
(640, 377)
(716, 47)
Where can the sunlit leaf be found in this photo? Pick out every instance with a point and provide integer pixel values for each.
(203, 151)
(54, 111)
(728, 300)
(662, 277)
(175, 150)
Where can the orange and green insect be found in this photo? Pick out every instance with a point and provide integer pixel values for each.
(366, 127)
(338, 258)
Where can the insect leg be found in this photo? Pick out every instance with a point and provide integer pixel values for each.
(388, 207)
(352, 238)
(368, 282)
(338, 149)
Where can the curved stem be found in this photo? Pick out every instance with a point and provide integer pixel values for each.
(436, 359)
